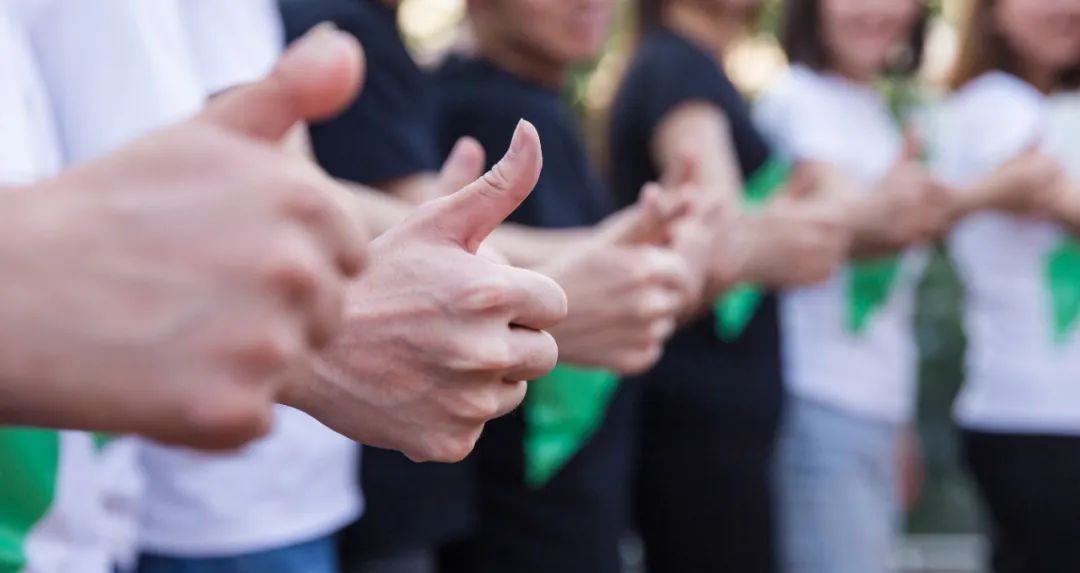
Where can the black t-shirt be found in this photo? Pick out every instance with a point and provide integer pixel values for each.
(571, 524)
(388, 132)
(486, 103)
(701, 379)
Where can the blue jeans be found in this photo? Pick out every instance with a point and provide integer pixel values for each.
(318, 556)
(837, 492)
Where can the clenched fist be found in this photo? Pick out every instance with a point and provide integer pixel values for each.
(438, 340)
(163, 289)
(626, 286)
(800, 237)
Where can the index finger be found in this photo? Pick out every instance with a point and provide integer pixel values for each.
(536, 301)
(323, 211)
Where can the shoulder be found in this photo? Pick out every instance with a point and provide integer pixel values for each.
(357, 17)
(991, 119)
(472, 87)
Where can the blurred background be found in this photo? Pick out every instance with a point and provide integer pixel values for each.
(944, 527)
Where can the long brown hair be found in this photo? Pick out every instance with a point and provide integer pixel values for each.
(801, 37)
(983, 48)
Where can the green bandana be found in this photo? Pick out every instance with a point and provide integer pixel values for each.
(1063, 282)
(735, 309)
(870, 283)
(29, 465)
(562, 411)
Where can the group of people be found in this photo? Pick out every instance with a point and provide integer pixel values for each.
(228, 264)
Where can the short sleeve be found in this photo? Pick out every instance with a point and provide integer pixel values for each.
(234, 42)
(113, 70)
(389, 131)
(28, 149)
(986, 123)
(673, 72)
(677, 79)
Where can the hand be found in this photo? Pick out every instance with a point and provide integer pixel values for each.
(1028, 184)
(161, 289)
(625, 288)
(907, 207)
(800, 237)
(437, 340)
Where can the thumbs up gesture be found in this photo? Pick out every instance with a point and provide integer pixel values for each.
(161, 289)
(626, 287)
(802, 235)
(907, 207)
(438, 340)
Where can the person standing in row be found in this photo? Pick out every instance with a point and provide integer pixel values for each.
(1019, 406)
(413, 510)
(849, 352)
(712, 405)
(552, 479)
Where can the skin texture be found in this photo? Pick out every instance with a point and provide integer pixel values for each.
(437, 340)
(160, 290)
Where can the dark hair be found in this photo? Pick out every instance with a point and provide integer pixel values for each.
(984, 49)
(649, 15)
(801, 38)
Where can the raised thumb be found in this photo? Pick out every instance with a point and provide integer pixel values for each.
(650, 220)
(317, 76)
(469, 215)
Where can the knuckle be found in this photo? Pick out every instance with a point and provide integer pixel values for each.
(294, 272)
(270, 351)
(483, 355)
(449, 447)
(229, 423)
(497, 181)
(477, 407)
(486, 294)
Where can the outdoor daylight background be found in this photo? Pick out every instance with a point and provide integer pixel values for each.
(944, 527)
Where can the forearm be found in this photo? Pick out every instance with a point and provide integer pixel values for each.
(1068, 208)
(530, 247)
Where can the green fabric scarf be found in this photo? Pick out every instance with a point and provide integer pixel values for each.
(562, 412)
(29, 466)
(869, 285)
(1063, 283)
(736, 308)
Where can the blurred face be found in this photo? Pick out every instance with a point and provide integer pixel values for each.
(861, 35)
(565, 32)
(1044, 34)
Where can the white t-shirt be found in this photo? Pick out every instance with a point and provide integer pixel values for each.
(1021, 377)
(298, 483)
(114, 70)
(50, 521)
(871, 373)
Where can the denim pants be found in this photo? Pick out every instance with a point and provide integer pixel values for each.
(317, 556)
(837, 492)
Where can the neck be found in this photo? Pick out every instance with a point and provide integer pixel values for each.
(857, 77)
(711, 29)
(521, 61)
(1043, 78)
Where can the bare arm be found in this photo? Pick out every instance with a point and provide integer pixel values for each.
(694, 142)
